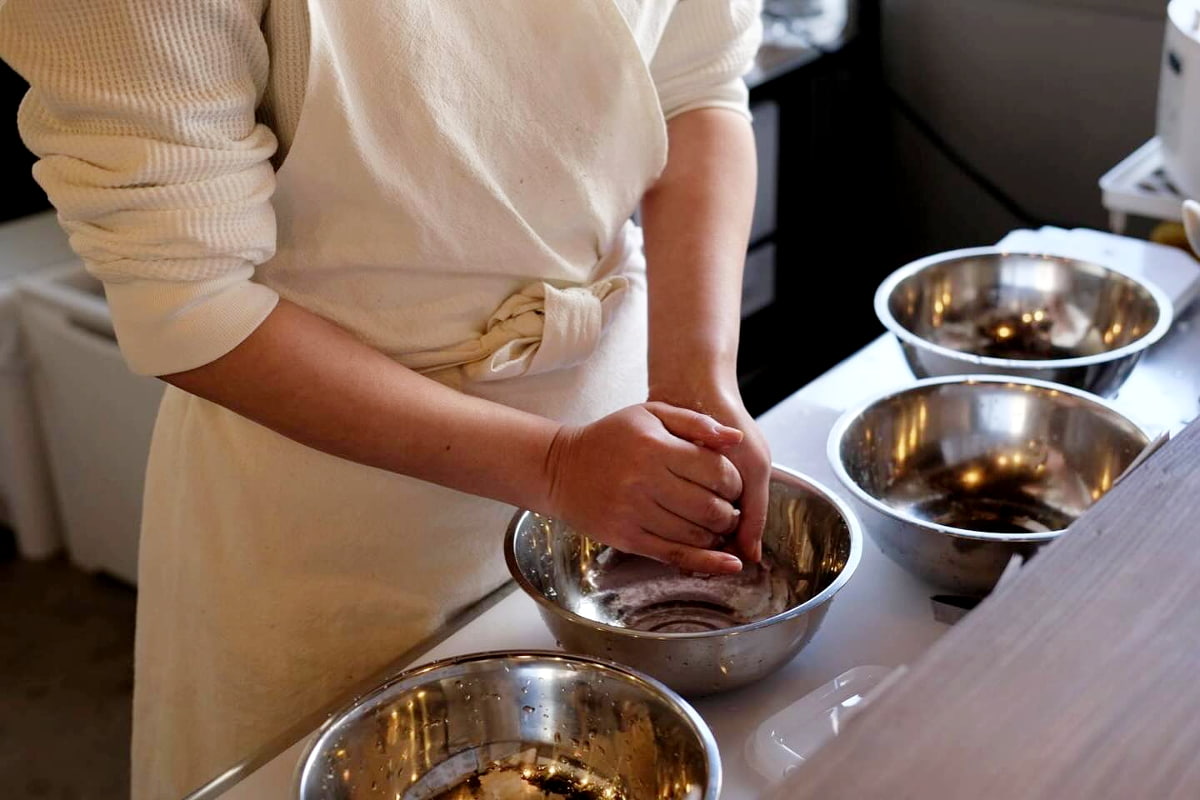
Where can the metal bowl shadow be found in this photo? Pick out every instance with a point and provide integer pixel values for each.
(987, 311)
(964, 472)
(526, 724)
(697, 634)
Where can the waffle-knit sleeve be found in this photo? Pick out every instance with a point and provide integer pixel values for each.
(706, 49)
(142, 116)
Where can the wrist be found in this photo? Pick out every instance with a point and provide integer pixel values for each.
(510, 458)
(687, 362)
(704, 388)
(548, 485)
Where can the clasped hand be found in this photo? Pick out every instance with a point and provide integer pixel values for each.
(652, 479)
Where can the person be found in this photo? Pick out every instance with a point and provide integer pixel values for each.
(406, 265)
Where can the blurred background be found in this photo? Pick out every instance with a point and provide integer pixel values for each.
(887, 130)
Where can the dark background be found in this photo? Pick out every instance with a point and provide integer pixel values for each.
(835, 171)
(21, 195)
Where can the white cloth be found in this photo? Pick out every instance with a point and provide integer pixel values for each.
(540, 328)
(144, 119)
(483, 168)
(511, 186)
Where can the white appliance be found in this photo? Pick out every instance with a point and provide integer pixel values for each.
(1178, 118)
(96, 417)
(28, 246)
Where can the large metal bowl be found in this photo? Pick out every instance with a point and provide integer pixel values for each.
(697, 634)
(514, 724)
(958, 474)
(987, 311)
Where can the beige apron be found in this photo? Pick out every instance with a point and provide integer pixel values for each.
(467, 215)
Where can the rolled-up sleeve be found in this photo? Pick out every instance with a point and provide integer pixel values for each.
(707, 48)
(142, 116)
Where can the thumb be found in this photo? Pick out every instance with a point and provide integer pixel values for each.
(695, 427)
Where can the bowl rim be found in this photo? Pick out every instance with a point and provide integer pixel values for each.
(853, 527)
(833, 446)
(1166, 313)
(688, 712)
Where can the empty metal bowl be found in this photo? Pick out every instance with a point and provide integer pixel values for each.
(514, 724)
(987, 311)
(961, 473)
(698, 634)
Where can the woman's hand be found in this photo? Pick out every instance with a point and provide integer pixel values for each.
(652, 480)
(751, 456)
(697, 224)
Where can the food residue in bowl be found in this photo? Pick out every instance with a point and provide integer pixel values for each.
(639, 593)
(1034, 335)
(516, 779)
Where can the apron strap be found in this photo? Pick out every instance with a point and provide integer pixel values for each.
(543, 328)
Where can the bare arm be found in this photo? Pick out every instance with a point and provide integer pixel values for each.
(309, 380)
(697, 225)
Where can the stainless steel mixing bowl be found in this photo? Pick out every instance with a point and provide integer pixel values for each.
(697, 634)
(529, 724)
(958, 474)
(987, 311)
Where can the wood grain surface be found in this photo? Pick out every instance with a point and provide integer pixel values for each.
(1079, 679)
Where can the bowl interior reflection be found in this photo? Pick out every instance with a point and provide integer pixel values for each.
(1024, 307)
(988, 456)
(523, 725)
(806, 546)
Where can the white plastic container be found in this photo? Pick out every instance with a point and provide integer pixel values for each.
(1178, 117)
(788, 738)
(27, 505)
(96, 416)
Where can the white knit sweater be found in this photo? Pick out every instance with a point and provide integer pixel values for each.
(159, 125)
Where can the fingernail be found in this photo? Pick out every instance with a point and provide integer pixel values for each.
(731, 561)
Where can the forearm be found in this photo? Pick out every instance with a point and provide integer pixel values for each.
(697, 224)
(309, 380)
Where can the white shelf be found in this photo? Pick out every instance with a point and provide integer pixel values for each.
(1140, 185)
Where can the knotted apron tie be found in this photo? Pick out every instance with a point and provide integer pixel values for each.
(539, 329)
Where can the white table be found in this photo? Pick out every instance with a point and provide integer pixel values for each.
(883, 616)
